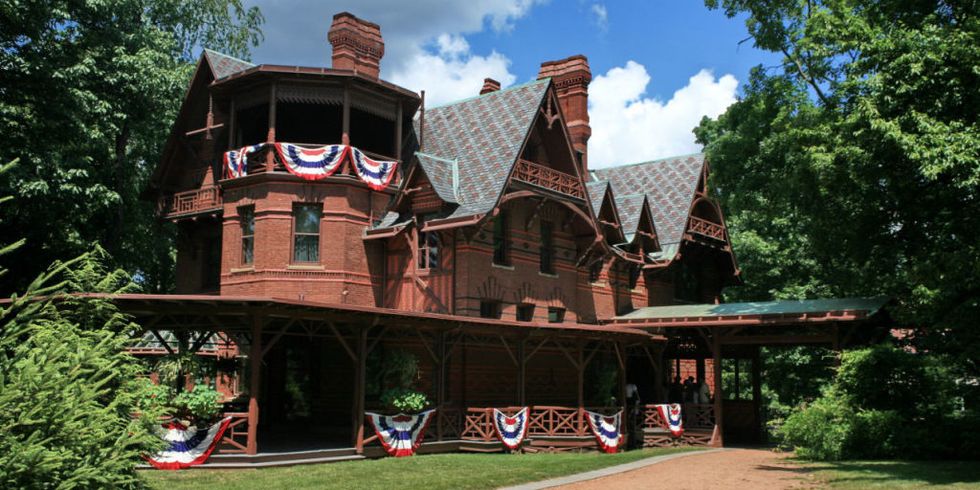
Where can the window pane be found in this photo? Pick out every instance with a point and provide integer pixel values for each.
(525, 313)
(556, 315)
(248, 221)
(307, 219)
(306, 248)
(248, 244)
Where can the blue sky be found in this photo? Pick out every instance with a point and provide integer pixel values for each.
(658, 66)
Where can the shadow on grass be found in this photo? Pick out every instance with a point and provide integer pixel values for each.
(897, 473)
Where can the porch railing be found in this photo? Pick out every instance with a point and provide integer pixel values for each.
(235, 438)
(258, 161)
(706, 228)
(543, 421)
(695, 415)
(549, 178)
(190, 202)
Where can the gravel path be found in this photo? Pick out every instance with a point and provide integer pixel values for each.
(733, 469)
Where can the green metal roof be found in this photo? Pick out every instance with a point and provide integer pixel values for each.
(783, 307)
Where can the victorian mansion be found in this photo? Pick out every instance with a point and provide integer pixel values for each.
(324, 214)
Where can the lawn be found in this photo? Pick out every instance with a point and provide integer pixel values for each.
(431, 472)
(897, 474)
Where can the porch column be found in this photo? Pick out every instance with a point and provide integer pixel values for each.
(441, 381)
(270, 159)
(621, 358)
(717, 440)
(580, 372)
(521, 373)
(757, 392)
(359, 382)
(255, 382)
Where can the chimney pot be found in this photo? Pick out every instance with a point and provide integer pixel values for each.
(489, 85)
(571, 77)
(357, 44)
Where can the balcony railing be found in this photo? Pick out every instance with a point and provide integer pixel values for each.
(549, 178)
(195, 201)
(706, 228)
(543, 421)
(258, 161)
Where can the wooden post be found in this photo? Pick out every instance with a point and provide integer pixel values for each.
(255, 365)
(441, 382)
(231, 125)
(580, 368)
(757, 392)
(270, 159)
(738, 384)
(717, 439)
(522, 369)
(360, 378)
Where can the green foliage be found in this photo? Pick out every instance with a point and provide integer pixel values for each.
(884, 403)
(404, 400)
(67, 387)
(90, 91)
(853, 168)
(202, 404)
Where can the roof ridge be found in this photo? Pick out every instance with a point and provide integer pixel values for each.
(657, 160)
(488, 94)
(429, 155)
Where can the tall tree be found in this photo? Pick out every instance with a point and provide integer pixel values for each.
(90, 89)
(854, 168)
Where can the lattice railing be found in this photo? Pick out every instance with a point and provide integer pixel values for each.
(695, 415)
(190, 202)
(235, 437)
(549, 178)
(706, 228)
(543, 421)
(478, 425)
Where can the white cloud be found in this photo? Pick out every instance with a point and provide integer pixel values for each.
(628, 127)
(451, 72)
(600, 15)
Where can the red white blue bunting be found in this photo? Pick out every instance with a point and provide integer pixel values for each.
(375, 173)
(606, 430)
(400, 434)
(312, 163)
(672, 416)
(317, 163)
(236, 161)
(510, 430)
(189, 446)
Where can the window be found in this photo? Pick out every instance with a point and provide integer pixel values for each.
(428, 250)
(556, 314)
(547, 248)
(500, 239)
(595, 271)
(687, 287)
(489, 309)
(246, 216)
(306, 233)
(525, 313)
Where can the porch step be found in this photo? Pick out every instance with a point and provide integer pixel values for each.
(255, 459)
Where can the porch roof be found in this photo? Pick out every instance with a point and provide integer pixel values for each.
(230, 312)
(782, 312)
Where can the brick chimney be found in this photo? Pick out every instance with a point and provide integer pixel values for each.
(357, 44)
(571, 77)
(489, 85)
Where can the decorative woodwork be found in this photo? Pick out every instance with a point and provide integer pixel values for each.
(203, 200)
(548, 178)
(234, 440)
(706, 228)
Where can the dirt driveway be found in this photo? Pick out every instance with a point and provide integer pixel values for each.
(733, 469)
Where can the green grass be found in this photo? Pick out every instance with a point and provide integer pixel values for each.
(897, 474)
(431, 472)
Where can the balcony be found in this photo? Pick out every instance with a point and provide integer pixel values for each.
(705, 228)
(187, 203)
(549, 178)
(259, 160)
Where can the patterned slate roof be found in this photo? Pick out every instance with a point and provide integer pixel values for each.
(597, 191)
(483, 135)
(441, 174)
(669, 183)
(223, 65)
(630, 208)
(782, 307)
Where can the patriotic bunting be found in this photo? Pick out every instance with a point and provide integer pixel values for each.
(312, 163)
(510, 430)
(606, 430)
(672, 416)
(317, 163)
(189, 446)
(236, 161)
(400, 434)
(376, 174)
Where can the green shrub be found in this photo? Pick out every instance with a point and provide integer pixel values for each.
(201, 404)
(404, 400)
(818, 431)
